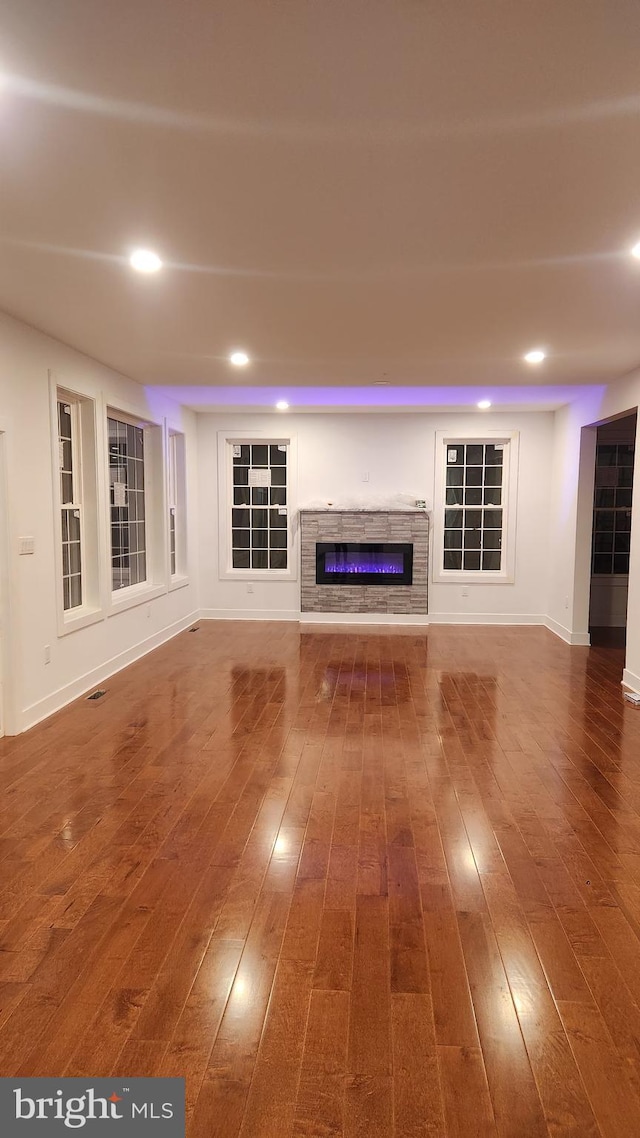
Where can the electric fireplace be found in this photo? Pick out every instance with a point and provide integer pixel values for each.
(364, 563)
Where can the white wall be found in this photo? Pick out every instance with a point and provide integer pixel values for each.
(573, 452)
(83, 657)
(397, 451)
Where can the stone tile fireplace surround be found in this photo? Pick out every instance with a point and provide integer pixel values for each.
(364, 526)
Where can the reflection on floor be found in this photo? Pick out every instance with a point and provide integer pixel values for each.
(374, 883)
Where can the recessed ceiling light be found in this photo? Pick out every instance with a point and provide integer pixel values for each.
(145, 261)
(282, 405)
(635, 252)
(484, 404)
(239, 359)
(536, 356)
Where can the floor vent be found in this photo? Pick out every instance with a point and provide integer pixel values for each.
(97, 694)
(197, 629)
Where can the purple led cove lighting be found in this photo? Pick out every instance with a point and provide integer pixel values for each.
(350, 562)
(351, 398)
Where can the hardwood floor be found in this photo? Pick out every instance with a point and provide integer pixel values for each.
(371, 884)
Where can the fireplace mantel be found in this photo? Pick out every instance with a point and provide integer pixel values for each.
(393, 526)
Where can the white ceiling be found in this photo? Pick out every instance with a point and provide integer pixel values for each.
(351, 189)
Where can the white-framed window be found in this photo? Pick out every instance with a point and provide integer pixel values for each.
(136, 481)
(256, 506)
(176, 506)
(137, 542)
(127, 500)
(73, 418)
(475, 507)
(173, 507)
(70, 502)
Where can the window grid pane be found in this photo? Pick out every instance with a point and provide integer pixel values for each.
(70, 512)
(473, 516)
(126, 482)
(259, 515)
(612, 508)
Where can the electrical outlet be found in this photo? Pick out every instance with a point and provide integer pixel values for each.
(249, 588)
(365, 476)
(47, 653)
(566, 602)
(148, 612)
(465, 591)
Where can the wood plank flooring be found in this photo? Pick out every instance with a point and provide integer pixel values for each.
(370, 884)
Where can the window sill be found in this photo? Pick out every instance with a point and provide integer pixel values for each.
(81, 618)
(457, 577)
(134, 595)
(178, 582)
(259, 575)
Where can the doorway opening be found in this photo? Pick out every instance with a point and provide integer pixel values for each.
(612, 512)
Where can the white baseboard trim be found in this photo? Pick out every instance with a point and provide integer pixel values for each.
(398, 618)
(66, 694)
(630, 680)
(484, 618)
(248, 614)
(577, 638)
(410, 619)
